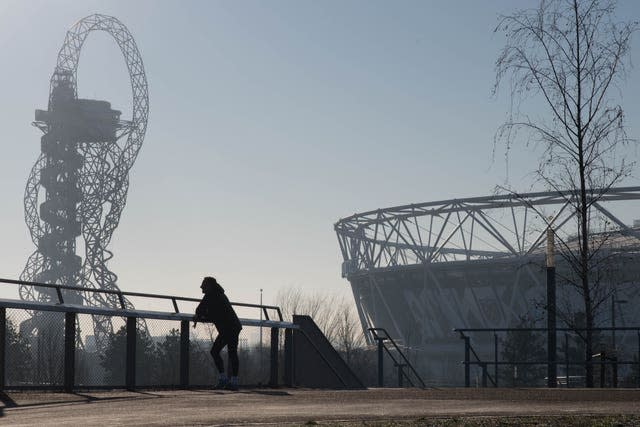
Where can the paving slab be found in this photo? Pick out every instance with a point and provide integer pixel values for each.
(304, 406)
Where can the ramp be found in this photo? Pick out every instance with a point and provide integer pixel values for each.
(317, 363)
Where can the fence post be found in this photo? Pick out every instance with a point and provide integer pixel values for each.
(602, 368)
(380, 362)
(467, 365)
(495, 359)
(288, 357)
(400, 375)
(566, 357)
(3, 345)
(484, 374)
(273, 377)
(184, 353)
(69, 350)
(614, 370)
(131, 353)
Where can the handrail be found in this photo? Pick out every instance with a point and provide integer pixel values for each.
(374, 331)
(68, 337)
(478, 360)
(395, 362)
(122, 294)
(143, 314)
(613, 361)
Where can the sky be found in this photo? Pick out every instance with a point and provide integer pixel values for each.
(270, 121)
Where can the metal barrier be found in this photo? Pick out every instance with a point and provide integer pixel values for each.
(56, 356)
(601, 360)
(122, 294)
(402, 373)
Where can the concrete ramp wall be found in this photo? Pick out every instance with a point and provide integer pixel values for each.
(316, 363)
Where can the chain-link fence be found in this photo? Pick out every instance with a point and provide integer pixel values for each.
(36, 353)
(34, 348)
(254, 356)
(95, 366)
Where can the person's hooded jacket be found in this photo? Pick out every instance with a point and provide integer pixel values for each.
(215, 307)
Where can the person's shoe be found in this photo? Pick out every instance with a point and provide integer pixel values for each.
(222, 384)
(233, 384)
(232, 387)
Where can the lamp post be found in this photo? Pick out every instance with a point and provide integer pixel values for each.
(552, 371)
(260, 320)
(261, 358)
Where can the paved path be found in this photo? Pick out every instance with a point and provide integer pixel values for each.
(298, 406)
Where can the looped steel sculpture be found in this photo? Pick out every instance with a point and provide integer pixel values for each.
(83, 168)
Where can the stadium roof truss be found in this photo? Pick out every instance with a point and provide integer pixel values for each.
(491, 227)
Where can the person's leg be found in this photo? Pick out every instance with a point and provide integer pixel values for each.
(232, 349)
(218, 344)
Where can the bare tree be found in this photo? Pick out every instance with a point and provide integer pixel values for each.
(569, 55)
(335, 316)
(349, 333)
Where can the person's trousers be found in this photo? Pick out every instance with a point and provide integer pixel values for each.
(231, 341)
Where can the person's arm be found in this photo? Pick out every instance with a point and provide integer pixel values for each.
(201, 311)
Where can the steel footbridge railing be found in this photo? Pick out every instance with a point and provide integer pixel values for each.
(121, 295)
(52, 356)
(401, 362)
(569, 359)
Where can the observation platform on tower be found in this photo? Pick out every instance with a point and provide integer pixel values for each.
(83, 120)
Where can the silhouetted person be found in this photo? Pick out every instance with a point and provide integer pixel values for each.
(215, 307)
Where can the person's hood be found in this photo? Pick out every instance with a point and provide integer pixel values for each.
(214, 288)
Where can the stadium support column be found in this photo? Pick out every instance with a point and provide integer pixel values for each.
(552, 372)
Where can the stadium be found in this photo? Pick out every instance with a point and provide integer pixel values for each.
(421, 270)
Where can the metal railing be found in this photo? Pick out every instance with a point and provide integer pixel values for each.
(602, 359)
(121, 294)
(381, 336)
(64, 338)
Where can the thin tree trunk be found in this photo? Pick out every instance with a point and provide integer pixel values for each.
(584, 247)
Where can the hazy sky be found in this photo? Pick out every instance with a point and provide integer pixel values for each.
(269, 121)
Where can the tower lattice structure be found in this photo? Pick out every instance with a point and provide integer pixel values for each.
(77, 189)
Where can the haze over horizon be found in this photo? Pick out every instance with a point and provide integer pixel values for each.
(269, 122)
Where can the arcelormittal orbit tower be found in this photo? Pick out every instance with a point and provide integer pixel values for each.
(77, 188)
